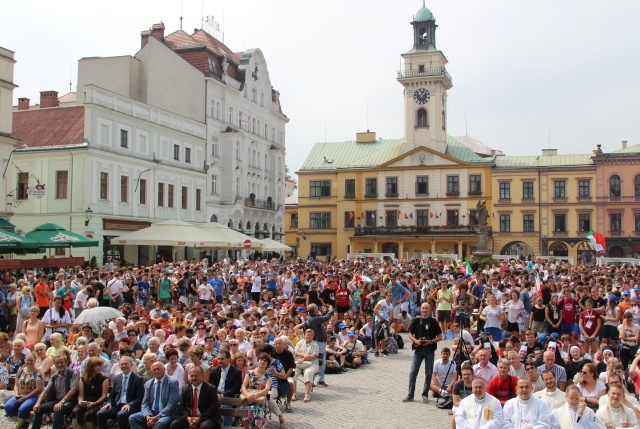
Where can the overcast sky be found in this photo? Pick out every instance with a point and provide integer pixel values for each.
(529, 74)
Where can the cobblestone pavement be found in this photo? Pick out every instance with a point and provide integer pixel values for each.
(368, 398)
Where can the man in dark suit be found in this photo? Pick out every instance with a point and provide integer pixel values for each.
(198, 404)
(125, 397)
(227, 379)
(160, 402)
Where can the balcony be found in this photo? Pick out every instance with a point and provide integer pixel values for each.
(456, 230)
(435, 71)
(260, 204)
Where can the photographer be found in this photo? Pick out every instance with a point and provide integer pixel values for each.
(424, 333)
(316, 324)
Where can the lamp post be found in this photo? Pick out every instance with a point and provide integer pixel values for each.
(88, 213)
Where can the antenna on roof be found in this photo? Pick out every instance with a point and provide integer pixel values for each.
(70, 77)
(325, 127)
(202, 15)
(223, 26)
(180, 14)
(465, 118)
(367, 116)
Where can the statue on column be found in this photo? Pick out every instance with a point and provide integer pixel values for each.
(481, 213)
(483, 239)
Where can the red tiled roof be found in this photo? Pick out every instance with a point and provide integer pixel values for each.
(55, 126)
(181, 40)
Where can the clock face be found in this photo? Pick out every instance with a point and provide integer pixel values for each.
(421, 96)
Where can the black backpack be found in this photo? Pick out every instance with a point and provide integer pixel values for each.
(399, 340)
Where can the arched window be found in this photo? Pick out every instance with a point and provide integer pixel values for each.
(421, 118)
(239, 224)
(214, 218)
(636, 182)
(230, 224)
(614, 186)
(248, 226)
(444, 120)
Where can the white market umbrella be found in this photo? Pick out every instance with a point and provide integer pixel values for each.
(274, 246)
(97, 314)
(171, 233)
(235, 239)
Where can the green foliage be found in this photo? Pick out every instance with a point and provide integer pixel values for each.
(94, 262)
(487, 261)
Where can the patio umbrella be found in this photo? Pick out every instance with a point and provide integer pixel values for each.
(51, 235)
(10, 240)
(172, 233)
(234, 238)
(274, 246)
(97, 314)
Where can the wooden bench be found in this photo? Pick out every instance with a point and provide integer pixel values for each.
(239, 411)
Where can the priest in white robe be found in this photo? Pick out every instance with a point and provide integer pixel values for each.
(575, 414)
(480, 410)
(615, 414)
(525, 411)
(551, 395)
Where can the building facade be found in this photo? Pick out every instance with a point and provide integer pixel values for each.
(7, 139)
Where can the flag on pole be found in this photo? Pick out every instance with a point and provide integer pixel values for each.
(597, 241)
(455, 213)
(440, 213)
(351, 215)
(468, 267)
(430, 214)
(411, 215)
(373, 215)
(406, 216)
(493, 214)
(362, 215)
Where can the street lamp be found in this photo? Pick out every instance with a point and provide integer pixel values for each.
(9, 159)
(87, 216)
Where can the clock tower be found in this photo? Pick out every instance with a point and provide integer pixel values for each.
(425, 81)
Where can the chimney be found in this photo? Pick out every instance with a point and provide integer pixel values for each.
(144, 37)
(158, 31)
(48, 99)
(624, 144)
(549, 152)
(368, 137)
(23, 103)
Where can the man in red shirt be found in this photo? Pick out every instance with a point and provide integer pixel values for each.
(43, 295)
(343, 296)
(503, 385)
(568, 305)
(590, 324)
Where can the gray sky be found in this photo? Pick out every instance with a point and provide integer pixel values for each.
(525, 70)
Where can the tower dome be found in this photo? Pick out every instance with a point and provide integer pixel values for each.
(423, 15)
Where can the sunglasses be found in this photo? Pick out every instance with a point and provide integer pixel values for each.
(584, 372)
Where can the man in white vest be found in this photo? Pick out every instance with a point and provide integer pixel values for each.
(615, 414)
(575, 414)
(552, 396)
(525, 411)
(480, 410)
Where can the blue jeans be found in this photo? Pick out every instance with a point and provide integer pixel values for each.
(58, 416)
(20, 409)
(322, 349)
(421, 354)
(139, 421)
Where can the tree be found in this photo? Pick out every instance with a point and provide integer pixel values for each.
(287, 176)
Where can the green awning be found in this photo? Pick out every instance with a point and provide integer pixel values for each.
(51, 235)
(6, 225)
(10, 240)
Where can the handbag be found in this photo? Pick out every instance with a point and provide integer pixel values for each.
(260, 400)
(303, 365)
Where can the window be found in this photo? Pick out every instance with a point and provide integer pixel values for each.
(584, 189)
(321, 249)
(636, 182)
(637, 222)
(350, 188)
(142, 144)
(320, 220)
(614, 186)
(294, 220)
(421, 68)
(560, 189)
(349, 219)
(527, 223)
(198, 200)
(615, 222)
(176, 152)
(143, 191)
(560, 222)
(124, 189)
(124, 138)
(422, 185)
(473, 220)
(214, 184)
(584, 221)
(240, 119)
(371, 187)
(452, 217)
(453, 187)
(475, 184)
(62, 184)
(370, 219)
(215, 146)
(104, 186)
(320, 188)
(392, 187)
(170, 196)
(527, 190)
(505, 191)
(391, 218)
(187, 155)
(422, 217)
(160, 194)
(231, 115)
(505, 223)
(23, 184)
(422, 118)
(184, 203)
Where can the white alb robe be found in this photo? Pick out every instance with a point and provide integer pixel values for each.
(532, 413)
(567, 416)
(471, 414)
(554, 400)
(613, 417)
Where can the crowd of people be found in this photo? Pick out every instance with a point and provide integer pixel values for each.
(538, 344)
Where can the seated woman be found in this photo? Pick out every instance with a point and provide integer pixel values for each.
(29, 384)
(16, 360)
(306, 356)
(335, 353)
(93, 390)
(259, 383)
